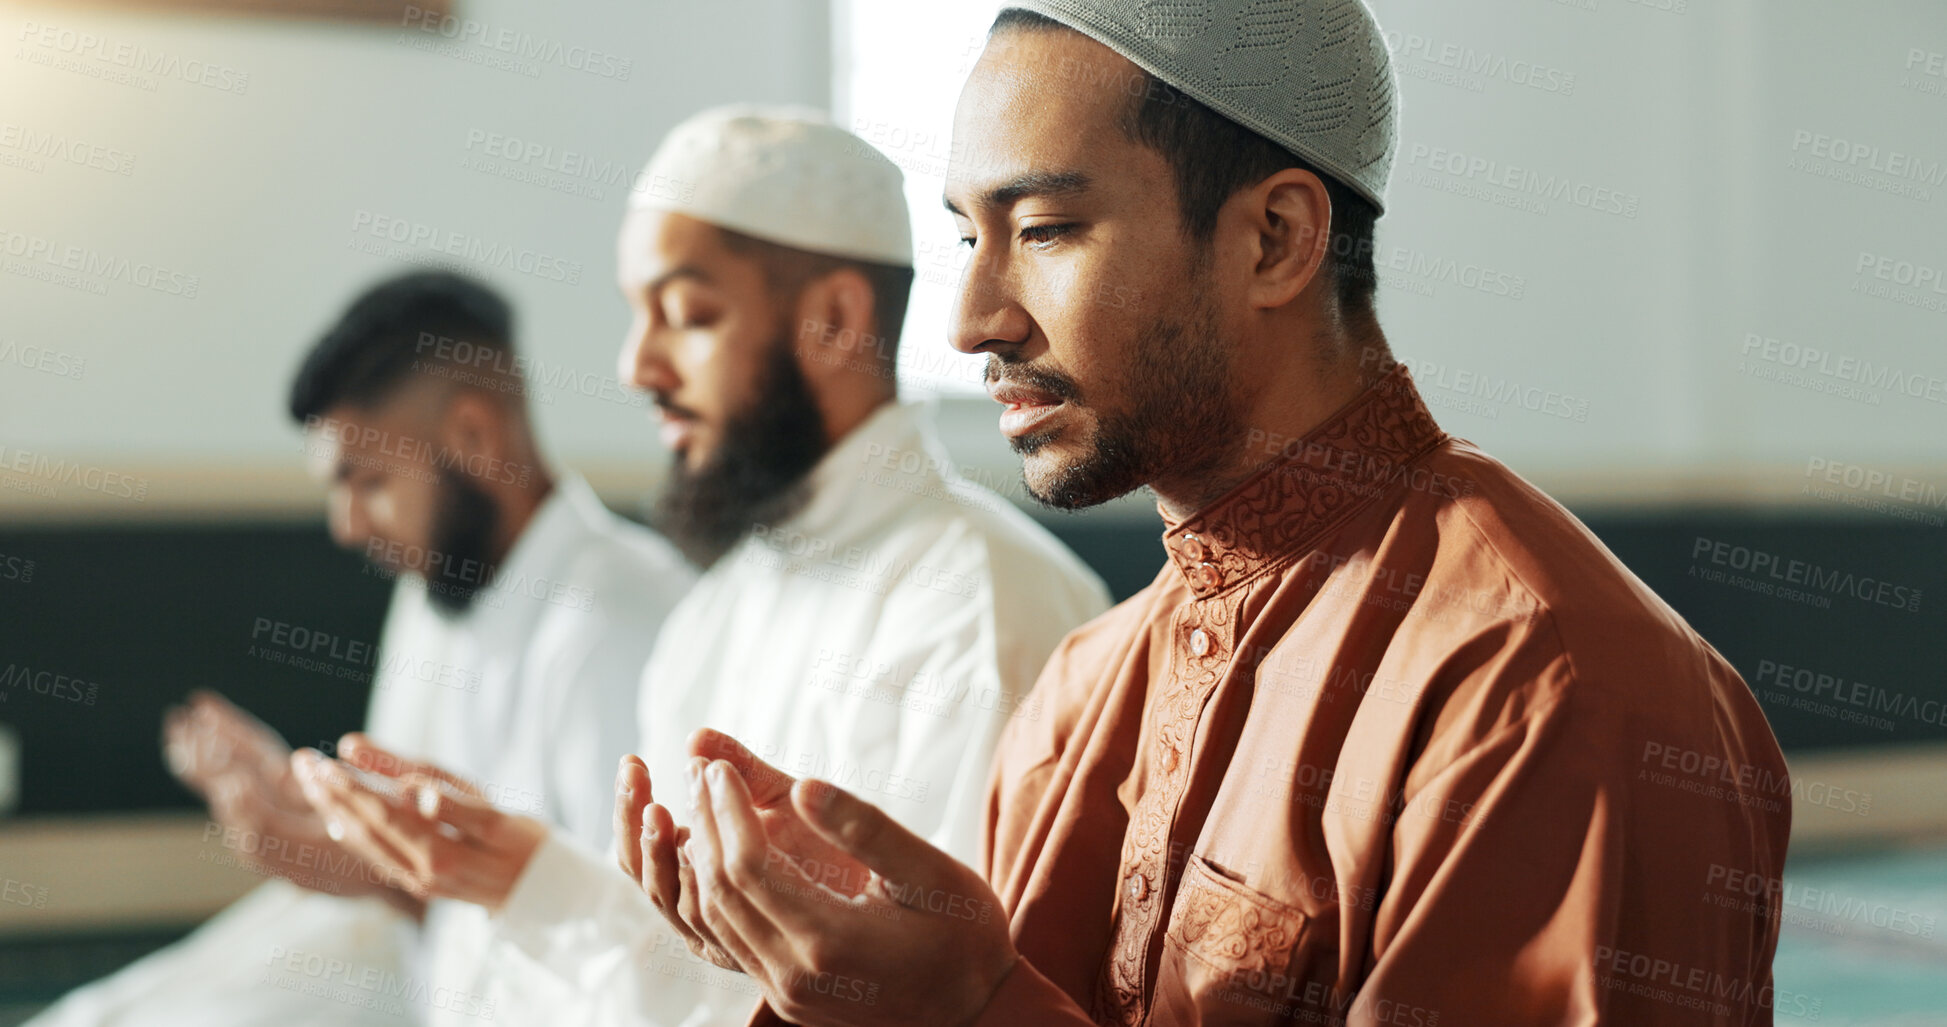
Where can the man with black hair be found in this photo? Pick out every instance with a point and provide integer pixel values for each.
(415, 409)
(521, 618)
(1392, 739)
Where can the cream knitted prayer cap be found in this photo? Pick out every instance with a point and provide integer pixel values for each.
(1311, 75)
(785, 175)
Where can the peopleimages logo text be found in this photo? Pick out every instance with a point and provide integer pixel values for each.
(1758, 563)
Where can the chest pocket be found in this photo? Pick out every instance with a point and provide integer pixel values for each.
(1235, 956)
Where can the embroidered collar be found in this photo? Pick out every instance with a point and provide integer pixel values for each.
(1354, 456)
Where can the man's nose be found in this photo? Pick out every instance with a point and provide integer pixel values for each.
(985, 316)
(644, 361)
(349, 524)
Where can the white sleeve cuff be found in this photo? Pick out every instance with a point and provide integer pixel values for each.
(562, 885)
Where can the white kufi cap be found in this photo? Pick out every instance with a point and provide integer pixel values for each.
(784, 175)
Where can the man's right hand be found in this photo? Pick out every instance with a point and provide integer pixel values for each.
(242, 769)
(209, 743)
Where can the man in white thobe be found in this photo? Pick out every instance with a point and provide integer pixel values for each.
(868, 614)
(520, 620)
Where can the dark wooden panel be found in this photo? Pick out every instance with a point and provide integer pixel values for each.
(146, 614)
(135, 618)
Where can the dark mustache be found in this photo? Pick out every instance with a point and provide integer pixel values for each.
(668, 406)
(1054, 383)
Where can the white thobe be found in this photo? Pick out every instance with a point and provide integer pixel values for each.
(879, 639)
(531, 694)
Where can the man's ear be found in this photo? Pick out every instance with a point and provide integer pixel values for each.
(834, 327)
(1289, 218)
(473, 432)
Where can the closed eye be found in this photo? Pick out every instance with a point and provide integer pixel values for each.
(1041, 235)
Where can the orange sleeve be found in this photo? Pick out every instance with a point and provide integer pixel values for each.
(1026, 998)
(1514, 864)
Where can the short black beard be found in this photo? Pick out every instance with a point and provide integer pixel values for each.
(758, 474)
(1178, 412)
(464, 526)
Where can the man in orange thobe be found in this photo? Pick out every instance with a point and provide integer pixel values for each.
(1391, 739)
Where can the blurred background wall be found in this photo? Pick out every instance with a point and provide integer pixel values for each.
(1680, 262)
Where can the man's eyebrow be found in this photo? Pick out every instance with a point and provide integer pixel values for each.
(1032, 183)
(690, 271)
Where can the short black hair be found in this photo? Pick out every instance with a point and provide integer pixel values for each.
(787, 270)
(385, 333)
(1212, 157)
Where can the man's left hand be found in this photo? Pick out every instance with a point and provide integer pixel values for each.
(924, 942)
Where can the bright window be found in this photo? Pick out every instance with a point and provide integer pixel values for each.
(898, 67)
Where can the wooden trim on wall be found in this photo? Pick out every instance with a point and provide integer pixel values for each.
(167, 869)
(377, 11)
(129, 493)
(117, 872)
(1851, 799)
(281, 490)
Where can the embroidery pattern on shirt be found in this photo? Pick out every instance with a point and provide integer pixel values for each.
(1232, 928)
(1147, 872)
(1265, 522)
(1339, 467)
